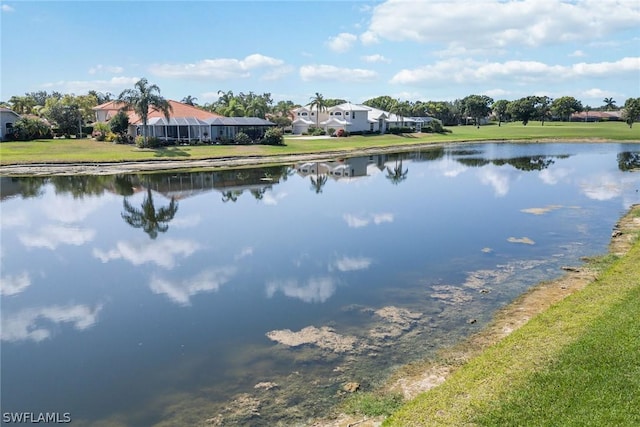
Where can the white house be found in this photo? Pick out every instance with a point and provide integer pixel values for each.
(7, 120)
(353, 118)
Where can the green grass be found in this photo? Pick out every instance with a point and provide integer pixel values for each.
(576, 364)
(372, 404)
(85, 150)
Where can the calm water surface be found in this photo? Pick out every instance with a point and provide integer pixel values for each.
(176, 298)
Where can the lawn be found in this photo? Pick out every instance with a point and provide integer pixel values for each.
(576, 364)
(86, 150)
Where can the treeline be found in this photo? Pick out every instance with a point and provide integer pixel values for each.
(46, 114)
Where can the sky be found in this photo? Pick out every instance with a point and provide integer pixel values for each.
(354, 50)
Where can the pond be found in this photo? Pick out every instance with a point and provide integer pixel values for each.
(251, 296)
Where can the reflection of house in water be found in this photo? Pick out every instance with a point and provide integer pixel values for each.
(346, 168)
(188, 184)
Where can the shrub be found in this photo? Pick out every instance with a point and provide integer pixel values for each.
(273, 136)
(27, 129)
(152, 142)
(242, 138)
(100, 131)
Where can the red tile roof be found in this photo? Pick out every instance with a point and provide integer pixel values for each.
(178, 110)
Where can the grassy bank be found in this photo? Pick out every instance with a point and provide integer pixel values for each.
(89, 151)
(575, 364)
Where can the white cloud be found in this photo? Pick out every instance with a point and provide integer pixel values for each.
(471, 71)
(351, 264)
(496, 179)
(180, 292)
(375, 58)
(162, 253)
(52, 236)
(577, 54)
(369, 38)
(342, 42)
(114, 84)
(497, 93)
(219, 68)
(553, 176)
(29, 324)
(333, 73)
(187, 221)
(598, 93)
(71, 210)
(500, 23)
(13, 219)
(602, 187)
(355, 221)
(317, 289)
(12, 285)
(7, 8)
(272, 199)
(111, 69)
(277, 73)
(358, 221)
(244, 252)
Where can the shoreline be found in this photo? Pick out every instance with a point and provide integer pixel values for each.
(414, 378)
(128, 167)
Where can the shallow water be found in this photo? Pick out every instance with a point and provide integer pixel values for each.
(166, 298)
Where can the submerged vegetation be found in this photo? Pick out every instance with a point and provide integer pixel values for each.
(574, 364)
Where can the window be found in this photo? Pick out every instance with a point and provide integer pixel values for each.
(353, 114)
(338, 113)
(303, 114)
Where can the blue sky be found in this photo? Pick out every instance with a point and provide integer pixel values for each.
(412, 50)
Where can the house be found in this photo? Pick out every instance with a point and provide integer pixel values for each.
(354, 118)
(596, 116)
(186, 123)
(7, 119)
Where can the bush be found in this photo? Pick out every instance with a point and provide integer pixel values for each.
(242, 138)
(100, 131)
(396, 130)
(273, 136)
(152, 142)
(27, 129)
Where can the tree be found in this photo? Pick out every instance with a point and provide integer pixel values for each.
(233, 109)
(66, 115)
(320, 105)
(384, 103)
(543, 108)
(565, 106)
(151, 221)
(609, 104)
(27, 129)
(500, 109)
(189, 100)
(22, 104)
(631, 111)
(523, 109)
(401, 109)
(477, 107)
(587, 108)
(119, 123)
(143, 98)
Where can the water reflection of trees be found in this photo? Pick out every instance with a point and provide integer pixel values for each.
(151, 221)
(524, 163)
(397, 175)
(628, 161)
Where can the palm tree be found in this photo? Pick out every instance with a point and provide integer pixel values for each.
(143, 98)
(396, 176)
(147, 218)
(320, 104)
(609, 104)
(189, 100)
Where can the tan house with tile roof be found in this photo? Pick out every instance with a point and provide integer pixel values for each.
(186, 123)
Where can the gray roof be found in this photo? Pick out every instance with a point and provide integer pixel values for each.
(216, 121)
(239, 121)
